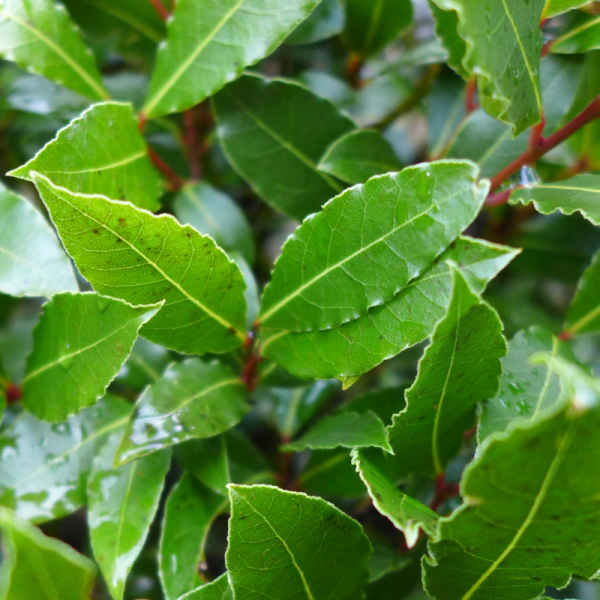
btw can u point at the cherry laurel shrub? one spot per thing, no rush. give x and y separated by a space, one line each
299 299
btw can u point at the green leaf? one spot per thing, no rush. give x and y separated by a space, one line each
330 473
40 567
408 319
406 513
80 345
251 292
446 29
45 466
460 368
557 7
384 403
100 152
331 271
223 459
122 503
358 156
189 513
584 313
525 389
146 363
578 194
318 554
193 399
372 24
32 263
217 590
503 45
131 254
44 40
211 44
326 21
583 36
286 122
347 429
532 506
214 213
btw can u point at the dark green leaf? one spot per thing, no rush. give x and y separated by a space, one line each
584 35
584 314
32 263
44 467
129 253
80 345
330 473
40 567
121 506
358 156
293 127
321 553
446 29
43 39
408 319
210 44
193 399
100 152
331 272
557 7
326 21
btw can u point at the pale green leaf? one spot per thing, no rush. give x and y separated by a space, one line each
531 511
525 389
146 363
460 368
193 399
331 271
372 24
584 313
44 466
39 36
358 156
326 21
408 319
210 44
286 123
100 152
217 590
406 513
347 429
122 503
189 513
319 554
557 7
503 45
128 253
40 567
583 36
214 213
79 346
251 292
32 263
578 194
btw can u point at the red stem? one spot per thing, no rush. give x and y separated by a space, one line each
192 144
175 182
159 7
471 103
443 491
544 145
13 393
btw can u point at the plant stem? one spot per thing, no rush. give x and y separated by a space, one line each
353 68
471 103
159 7
193 145
544 145
175 182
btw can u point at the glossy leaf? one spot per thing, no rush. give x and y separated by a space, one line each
40 567
80 345
100 152
358 156
217 590
213 213
130 254
557 7
189 513
193 399
44 467
578 194
40 36
320 553
211 44
526 390
583 36
406 513
408 319
503 46
530 511
331 272
348 429
372 25
584 313
121 506
446 29
460 368
32 263
223 459
326 21
291 126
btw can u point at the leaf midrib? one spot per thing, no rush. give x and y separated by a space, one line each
120 163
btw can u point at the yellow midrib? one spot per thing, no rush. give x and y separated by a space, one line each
120 163
576 31
548 379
